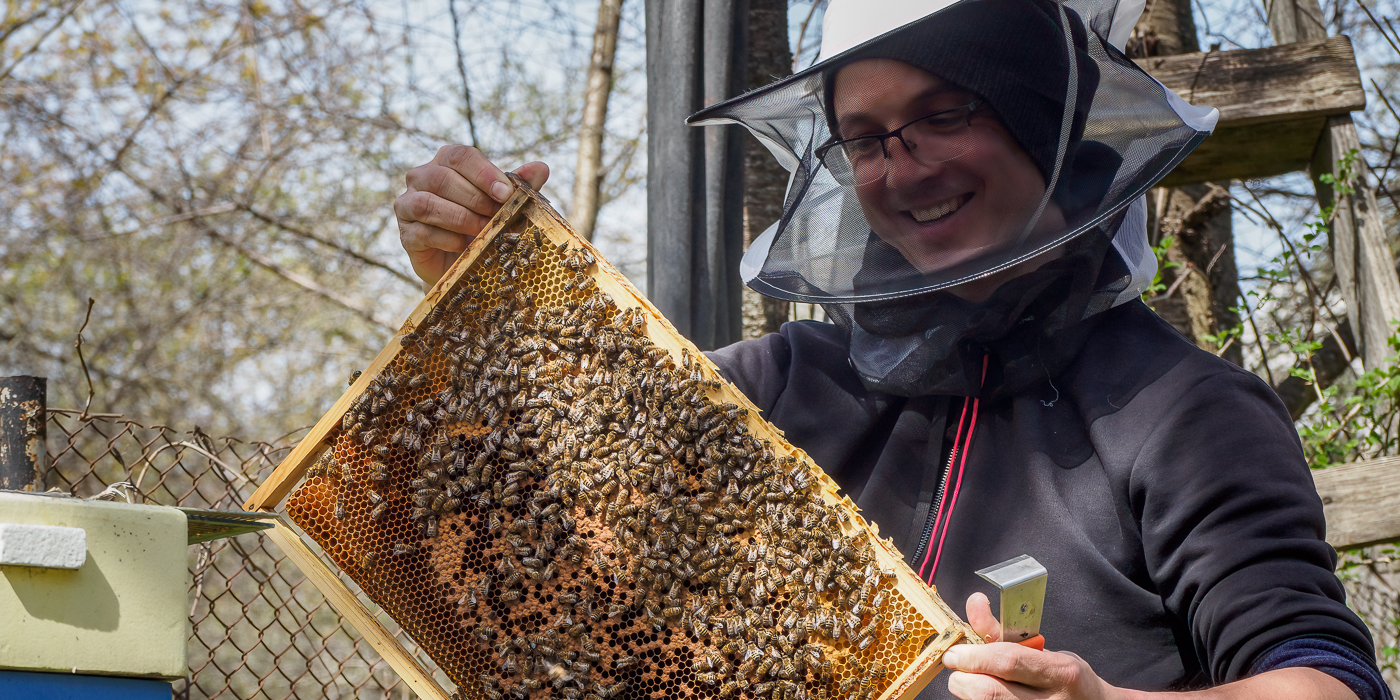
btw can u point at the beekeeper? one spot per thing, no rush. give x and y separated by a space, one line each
966 203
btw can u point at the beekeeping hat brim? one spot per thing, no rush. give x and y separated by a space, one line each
1097 128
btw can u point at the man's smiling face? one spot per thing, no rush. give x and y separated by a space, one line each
941 214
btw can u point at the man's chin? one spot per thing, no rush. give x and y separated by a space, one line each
932 259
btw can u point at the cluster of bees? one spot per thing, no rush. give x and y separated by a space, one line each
552 414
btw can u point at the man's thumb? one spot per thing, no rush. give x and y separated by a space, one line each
979 615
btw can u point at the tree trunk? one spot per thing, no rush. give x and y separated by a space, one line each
588 176
1204 286
765 181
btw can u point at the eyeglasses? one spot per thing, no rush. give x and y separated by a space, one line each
930 139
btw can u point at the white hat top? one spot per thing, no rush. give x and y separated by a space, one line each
850 23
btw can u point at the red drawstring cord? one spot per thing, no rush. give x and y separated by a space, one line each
958 485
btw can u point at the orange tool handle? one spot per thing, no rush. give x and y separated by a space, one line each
1037 642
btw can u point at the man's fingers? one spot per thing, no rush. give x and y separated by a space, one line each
430 209
535 173
1018 664
979 615
418 237
971 686
431 250
451 186
476 168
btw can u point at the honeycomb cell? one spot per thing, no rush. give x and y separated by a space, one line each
553 505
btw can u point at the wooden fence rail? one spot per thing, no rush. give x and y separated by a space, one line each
1361 501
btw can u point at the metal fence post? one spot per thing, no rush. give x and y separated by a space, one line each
23 433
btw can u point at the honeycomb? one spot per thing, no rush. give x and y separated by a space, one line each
554 505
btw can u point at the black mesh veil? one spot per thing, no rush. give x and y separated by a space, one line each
1031 130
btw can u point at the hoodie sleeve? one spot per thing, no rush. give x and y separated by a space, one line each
1233 530
1355 671
758 367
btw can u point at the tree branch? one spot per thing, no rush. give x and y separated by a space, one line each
1329 361
462 70
39 42
309 235
294 277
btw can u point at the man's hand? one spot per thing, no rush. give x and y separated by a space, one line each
448 202
1005 671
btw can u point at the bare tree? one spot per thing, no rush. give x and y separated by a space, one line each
1202 283
220 182
765 180
588 177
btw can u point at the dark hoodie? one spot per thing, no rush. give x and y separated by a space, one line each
1164 488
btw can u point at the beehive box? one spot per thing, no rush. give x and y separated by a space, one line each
556 495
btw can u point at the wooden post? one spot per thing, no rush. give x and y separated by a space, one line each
1364 267
23 433
1296 20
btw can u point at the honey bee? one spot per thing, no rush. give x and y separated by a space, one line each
439 502
339 508
624 662
403 549
378 471
368 436
377 513
369 560
766 665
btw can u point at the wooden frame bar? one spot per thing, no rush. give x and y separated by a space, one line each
350 608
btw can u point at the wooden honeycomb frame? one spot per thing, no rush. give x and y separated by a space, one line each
912 663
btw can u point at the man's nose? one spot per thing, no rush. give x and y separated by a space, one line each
903 169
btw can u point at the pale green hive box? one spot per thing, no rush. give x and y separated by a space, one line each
123 612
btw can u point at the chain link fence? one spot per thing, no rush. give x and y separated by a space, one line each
1372 579
259 629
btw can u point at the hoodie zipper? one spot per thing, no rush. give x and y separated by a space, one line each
937 504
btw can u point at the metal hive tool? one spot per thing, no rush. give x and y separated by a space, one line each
555 495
